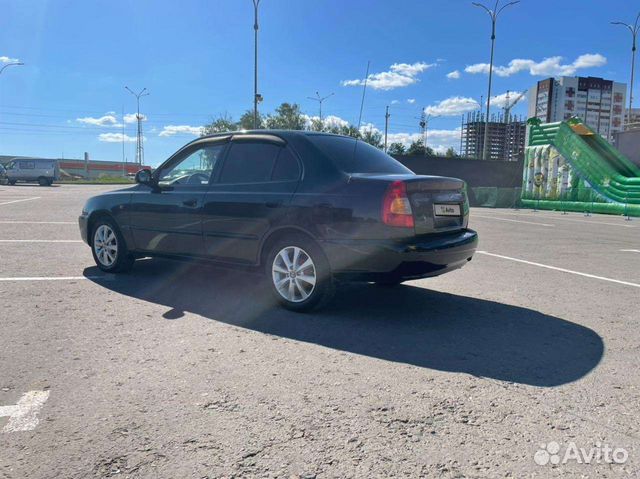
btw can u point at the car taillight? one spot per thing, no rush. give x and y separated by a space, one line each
396 208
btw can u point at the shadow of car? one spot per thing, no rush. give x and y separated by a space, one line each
406 324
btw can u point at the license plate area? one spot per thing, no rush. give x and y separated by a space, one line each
446 210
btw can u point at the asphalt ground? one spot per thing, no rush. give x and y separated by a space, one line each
187 370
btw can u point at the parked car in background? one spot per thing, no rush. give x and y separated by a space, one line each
310 209
39 170
3 175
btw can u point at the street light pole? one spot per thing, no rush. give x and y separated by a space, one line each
634 33
320 99
139 140
493 14
256 3
12 64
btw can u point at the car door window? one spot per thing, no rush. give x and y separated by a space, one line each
249 163
286 167
194 169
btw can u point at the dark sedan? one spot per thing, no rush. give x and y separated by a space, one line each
311 209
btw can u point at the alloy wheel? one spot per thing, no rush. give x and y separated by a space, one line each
105 245
294 274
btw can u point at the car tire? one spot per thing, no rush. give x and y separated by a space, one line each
108 247
42 181
12 182
299 274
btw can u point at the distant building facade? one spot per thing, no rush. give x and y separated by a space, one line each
506 137
598 102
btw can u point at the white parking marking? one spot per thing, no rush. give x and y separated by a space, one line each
563 270
38 222
24 415
52 278
512 221
630 250
39 241
563 218
18 201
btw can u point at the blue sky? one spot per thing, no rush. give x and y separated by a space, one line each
196 60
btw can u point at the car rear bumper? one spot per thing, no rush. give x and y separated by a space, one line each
421 257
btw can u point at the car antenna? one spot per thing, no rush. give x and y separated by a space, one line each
364 91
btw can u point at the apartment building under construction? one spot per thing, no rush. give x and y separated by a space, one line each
506 137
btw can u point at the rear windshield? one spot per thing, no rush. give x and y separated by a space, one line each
360 158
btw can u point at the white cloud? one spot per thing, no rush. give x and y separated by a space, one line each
330 121
501 100
131 118
453 106
171 130
116 138
393 102
5 59
454 75
551 66
399 75
106 120
411 101
439 140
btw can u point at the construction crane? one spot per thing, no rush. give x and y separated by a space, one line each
508 105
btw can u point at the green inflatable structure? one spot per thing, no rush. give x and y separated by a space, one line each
569 167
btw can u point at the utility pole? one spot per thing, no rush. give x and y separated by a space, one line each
256 97
493 14
386 127
139 139
124 170
634 33
423 125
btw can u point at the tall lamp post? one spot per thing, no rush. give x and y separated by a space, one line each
493 14
320 99
256 97
139 139
634 33
12 64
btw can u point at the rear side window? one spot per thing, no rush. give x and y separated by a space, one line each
350 157
249 163
27 165
286 167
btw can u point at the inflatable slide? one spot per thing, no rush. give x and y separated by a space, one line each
569 167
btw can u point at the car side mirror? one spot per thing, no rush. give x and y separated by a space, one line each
144 177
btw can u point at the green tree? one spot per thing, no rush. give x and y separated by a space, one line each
316 125
417 149
286 117
220 124
396 149
373 137
246 121
451 153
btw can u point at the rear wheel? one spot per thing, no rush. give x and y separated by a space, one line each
299 274
12 182
109 248
42 181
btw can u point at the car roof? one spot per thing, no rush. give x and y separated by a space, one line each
284 134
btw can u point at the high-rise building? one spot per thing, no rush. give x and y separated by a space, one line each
506 137
599 103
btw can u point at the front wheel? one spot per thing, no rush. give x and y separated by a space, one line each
12 182
109 248
299 274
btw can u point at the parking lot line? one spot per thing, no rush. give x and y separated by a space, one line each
38 241
563 218
630 250
18 201
563 270
24 415
52 278
513 221
38 222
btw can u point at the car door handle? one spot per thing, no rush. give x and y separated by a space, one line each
192 202
273 204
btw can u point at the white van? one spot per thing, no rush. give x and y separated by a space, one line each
43 171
